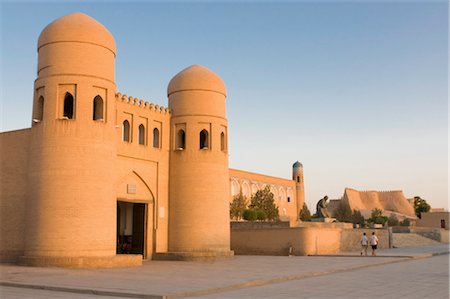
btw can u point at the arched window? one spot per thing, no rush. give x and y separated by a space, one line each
126 131
40 109
68 106
298 179
141 133
204 139
181 139
222 141
156 138
98 108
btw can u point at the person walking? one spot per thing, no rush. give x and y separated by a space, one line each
364 244
373 243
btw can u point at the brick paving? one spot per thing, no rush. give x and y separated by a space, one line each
244 277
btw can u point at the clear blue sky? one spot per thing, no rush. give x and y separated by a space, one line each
358 92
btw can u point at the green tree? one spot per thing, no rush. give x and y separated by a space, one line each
305 214
393 220
343 212
377 217
420 206
263 200
357 218
237 206
405 222
250 215
261 215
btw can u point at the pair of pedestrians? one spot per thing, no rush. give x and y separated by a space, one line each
365 243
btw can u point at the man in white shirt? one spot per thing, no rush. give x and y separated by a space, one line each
364 244
373 243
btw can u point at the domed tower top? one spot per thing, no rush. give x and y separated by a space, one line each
196 90
196 77
297 165
76 44
77 27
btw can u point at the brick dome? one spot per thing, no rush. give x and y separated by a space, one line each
77 27
196 77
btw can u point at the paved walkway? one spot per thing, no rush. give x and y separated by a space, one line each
245 277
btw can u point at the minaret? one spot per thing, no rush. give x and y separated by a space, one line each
71 208
297 176
199 220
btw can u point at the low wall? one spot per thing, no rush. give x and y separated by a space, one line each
258 225
303 240
326 225
437 234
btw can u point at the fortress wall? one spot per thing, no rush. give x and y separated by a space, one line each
14 153
384 200
282 189
145 166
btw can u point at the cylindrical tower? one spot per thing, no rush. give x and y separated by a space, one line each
199 179
71 209
297 176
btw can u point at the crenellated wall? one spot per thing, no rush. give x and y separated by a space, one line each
143 164
393 201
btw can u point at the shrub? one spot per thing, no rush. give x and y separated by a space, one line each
250 215
377 217
392 220
261 215
343 212
357 218
405 222
305 214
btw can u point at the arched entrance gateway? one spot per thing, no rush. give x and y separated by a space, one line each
135 214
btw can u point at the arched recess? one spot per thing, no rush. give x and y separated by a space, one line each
222 142
126 131
246 189
133 191
69 106
235 188
39 115
181 139
155 138
204 139
141 134
98 108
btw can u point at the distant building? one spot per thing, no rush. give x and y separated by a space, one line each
436 219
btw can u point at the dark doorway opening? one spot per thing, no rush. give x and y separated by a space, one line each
130 228
442 223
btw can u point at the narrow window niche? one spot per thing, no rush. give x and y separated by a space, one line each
181 140
68 112
97 113
126 131
141 134
155 138
222 142
204 139
39 112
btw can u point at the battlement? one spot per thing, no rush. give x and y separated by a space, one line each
141 103
371 191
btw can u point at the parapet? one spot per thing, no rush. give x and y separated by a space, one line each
142 104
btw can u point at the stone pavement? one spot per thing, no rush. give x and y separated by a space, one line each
398 272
